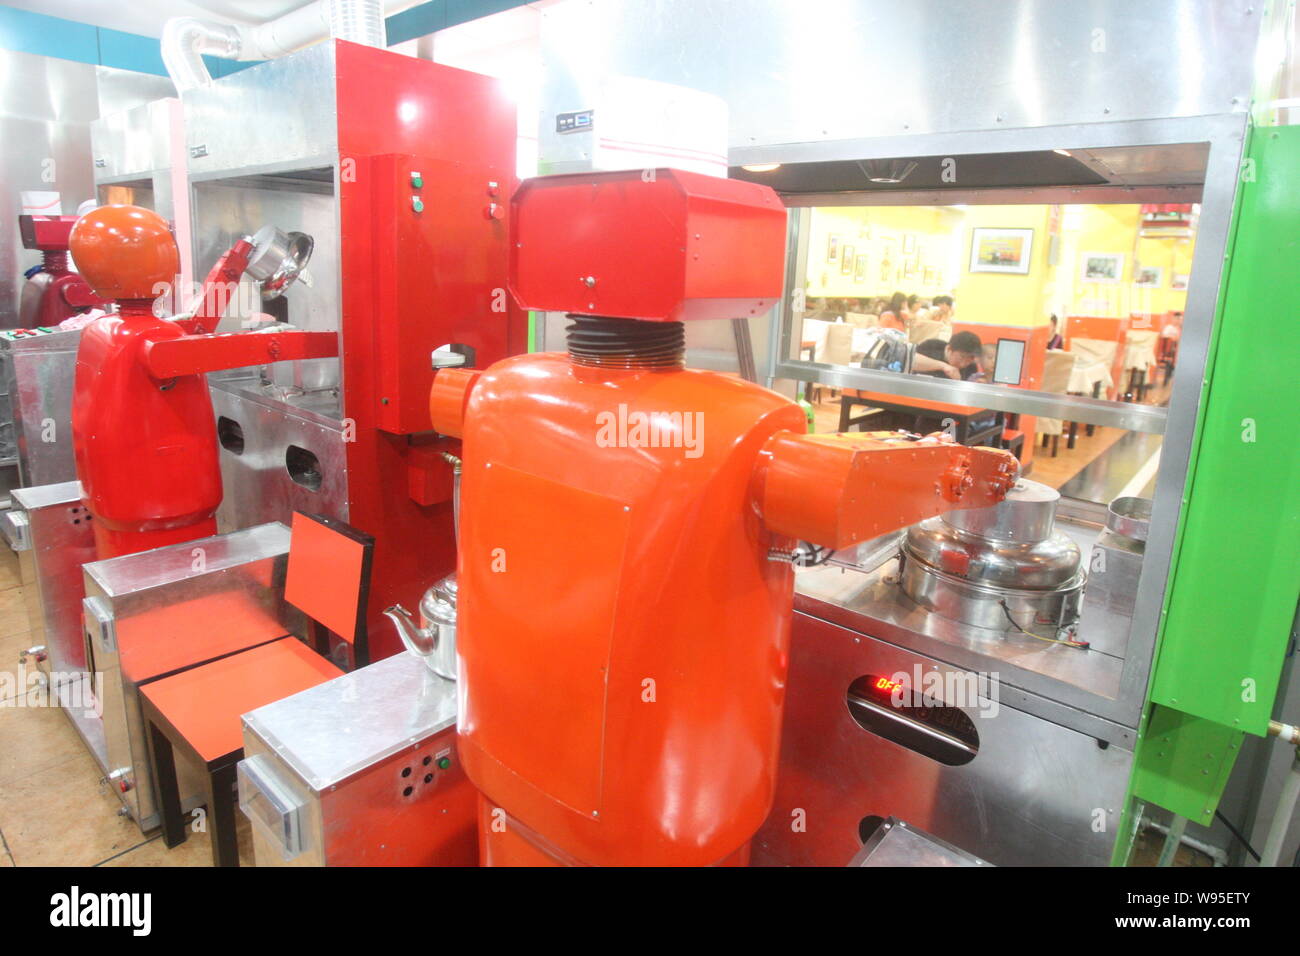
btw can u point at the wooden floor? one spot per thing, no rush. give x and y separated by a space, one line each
1051 471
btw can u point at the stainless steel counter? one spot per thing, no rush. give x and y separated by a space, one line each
1046 678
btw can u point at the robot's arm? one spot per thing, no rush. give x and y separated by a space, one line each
218 289
195 354
839 490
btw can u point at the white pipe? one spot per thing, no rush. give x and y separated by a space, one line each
1215 853
291 32
186 39
1286 804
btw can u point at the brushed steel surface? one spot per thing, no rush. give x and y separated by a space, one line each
226 210
1030 796
1091 682
38 371
134 143
333 731
62 539
281 112
1093 411
46 106
173 608
898 843
1027 565
808 73
1026 514
1114 570
1130 517
355 752
258 485
1039 611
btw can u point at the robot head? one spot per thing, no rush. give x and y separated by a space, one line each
125 252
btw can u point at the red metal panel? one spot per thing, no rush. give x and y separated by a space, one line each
413 280
439 262
661 245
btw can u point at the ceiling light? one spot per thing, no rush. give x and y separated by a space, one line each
761 167
887 170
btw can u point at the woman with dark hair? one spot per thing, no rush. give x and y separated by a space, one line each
1055 342
895 315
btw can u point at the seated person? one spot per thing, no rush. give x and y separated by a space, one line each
919 309
895 314
1055 342
957 358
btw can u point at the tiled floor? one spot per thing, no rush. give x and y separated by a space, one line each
55 810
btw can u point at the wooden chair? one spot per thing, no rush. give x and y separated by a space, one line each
1140 361
838 349
198 710
1057 367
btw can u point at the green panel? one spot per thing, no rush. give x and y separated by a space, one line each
1236 574
1182 763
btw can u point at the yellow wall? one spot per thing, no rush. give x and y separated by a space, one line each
1114 229
998 298
943 235
873 231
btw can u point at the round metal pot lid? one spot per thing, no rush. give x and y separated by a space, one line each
1029 565
1027 514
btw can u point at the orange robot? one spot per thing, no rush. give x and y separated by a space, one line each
143 430
628 530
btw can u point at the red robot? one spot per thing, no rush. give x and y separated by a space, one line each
144 434
52 291
628 529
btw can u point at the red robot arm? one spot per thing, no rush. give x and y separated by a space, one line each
218 287
839 490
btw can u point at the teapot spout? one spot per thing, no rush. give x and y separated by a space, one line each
418 640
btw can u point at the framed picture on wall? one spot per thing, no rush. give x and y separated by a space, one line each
1001 250
1102 266
1150 277
846 261
860 269
1179 281
833 249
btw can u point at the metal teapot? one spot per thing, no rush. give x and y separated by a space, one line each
435 638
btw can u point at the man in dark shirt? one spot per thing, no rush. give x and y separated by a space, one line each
957 358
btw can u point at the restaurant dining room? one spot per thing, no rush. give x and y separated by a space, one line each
1072 299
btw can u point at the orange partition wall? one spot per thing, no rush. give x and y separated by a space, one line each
1108 329
1031 376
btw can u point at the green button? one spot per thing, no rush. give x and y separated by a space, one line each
444 763
417 204
417 180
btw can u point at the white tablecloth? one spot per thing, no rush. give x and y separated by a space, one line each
1140 354
1086 373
